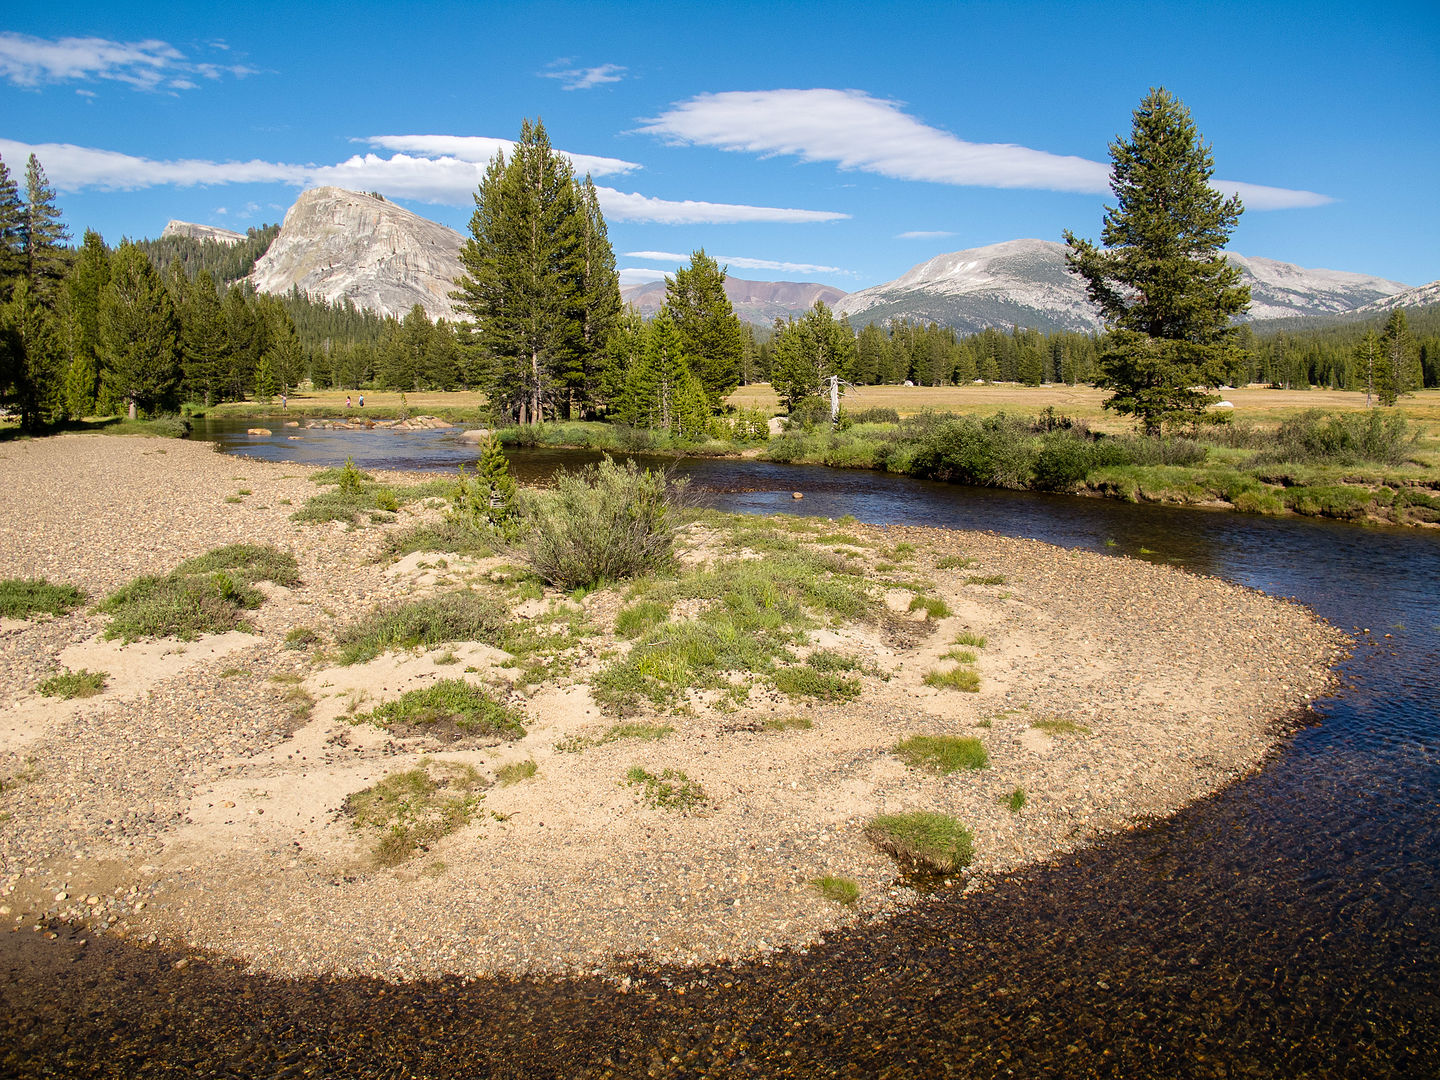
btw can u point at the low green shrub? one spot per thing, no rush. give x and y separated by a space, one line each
416 807
24 598
607 522
461 615
929 842
933 606
73 684
203 595
805 681
1382 436
450 707
942 753
669 789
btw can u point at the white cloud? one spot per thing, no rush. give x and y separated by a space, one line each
640 275
586 78
923 234
857 131
447 181
619 206
742 262
144 65
481 149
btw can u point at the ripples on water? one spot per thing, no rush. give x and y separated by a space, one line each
1288 926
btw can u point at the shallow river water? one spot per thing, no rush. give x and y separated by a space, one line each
1287 926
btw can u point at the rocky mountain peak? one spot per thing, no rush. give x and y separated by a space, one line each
201 232
337 244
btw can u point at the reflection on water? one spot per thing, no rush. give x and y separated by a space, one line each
1288 926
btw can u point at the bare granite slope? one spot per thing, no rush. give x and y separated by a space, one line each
338 244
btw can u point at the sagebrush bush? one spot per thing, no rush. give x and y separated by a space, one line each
1317 438
461 615
604 523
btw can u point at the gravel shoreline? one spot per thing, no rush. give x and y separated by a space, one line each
193 805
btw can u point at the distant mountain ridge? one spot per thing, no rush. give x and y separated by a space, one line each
754 301
200 232
1025 283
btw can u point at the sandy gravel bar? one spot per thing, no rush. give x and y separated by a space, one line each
194 801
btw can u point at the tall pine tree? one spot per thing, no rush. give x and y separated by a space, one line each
525 278
42 234
709 328
1161 280
12 218
140 334
1400 359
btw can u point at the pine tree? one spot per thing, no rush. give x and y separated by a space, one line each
1161 281
205 339
524 276
600 302
12 219
709 328
140 334
30 372
1369 366
808 351
1400 359
78 315
662 392
41 231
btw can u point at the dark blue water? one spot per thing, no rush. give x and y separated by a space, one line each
1287 926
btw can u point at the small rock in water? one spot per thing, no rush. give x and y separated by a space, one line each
797 495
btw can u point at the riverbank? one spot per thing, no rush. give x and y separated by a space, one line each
202 801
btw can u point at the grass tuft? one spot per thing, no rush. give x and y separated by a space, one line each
203 595
455 707
943 753
515 772
1059 726
975 641
416 807
24 598
461 615
73 684
958 678
1015 801
839 890
932 843
667 790
933 606
614 733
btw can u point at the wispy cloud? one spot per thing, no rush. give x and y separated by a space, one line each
743 262
446 181
641 275
481 149
144 65
857 131
584 78
923 234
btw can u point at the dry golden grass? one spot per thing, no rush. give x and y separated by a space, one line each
1083 402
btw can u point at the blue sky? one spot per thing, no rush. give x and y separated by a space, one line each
830 142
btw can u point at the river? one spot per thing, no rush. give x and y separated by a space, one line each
1287 926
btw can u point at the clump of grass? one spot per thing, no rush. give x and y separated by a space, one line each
416 807
203 595
960 656
838 890
943 753
670 789
607 522
954 562
451 535
805 681
233 672
461 615
24 598
73 684
1059 726
301 637
233 499
244 491
614 733
929 842
454 707
445 659
515 772
902 550
933 606
346 478
957 678
985 579
1015 801
789 723
975 641
640 618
